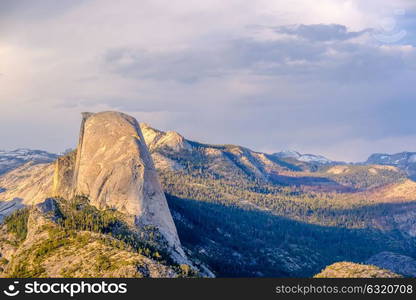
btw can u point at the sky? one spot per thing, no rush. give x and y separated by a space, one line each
330 77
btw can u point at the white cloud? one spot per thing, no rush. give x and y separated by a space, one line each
218 65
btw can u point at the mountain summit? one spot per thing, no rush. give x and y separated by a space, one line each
10 160
405 161
111 168
309 158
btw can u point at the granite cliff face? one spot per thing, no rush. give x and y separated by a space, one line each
114 169
111 166
63 177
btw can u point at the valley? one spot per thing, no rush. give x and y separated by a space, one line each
252 214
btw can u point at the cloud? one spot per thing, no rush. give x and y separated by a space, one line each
320 32
233 71
311 51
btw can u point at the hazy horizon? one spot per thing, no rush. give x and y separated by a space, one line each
207 142
328 77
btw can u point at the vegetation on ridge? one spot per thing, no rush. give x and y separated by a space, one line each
75 230
79 215
243 227
352 270
17 223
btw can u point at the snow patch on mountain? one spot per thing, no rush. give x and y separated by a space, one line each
309 158
10 160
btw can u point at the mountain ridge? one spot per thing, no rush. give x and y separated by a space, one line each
110 171
157 139
10 160
406 161
311 158
282 211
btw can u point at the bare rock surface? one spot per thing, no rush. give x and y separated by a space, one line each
114 169
63 177
111 166
170 140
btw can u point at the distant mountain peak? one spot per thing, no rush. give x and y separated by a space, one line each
396 158
156 139
10 160
310 158
289 154
403 160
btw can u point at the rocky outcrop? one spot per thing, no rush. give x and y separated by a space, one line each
397 263
353 270
113 169
50 251
158 139
63 178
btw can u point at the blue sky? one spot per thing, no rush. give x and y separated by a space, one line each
331 77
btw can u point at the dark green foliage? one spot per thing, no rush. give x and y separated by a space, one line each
17 223
197 162
79 215
245 227
103 263
76 222
295 202
56 240
239 242
22 270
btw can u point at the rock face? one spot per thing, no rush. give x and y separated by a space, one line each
156 139
111 166
114 169
400 264
63 178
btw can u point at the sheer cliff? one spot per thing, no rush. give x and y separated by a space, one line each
111 168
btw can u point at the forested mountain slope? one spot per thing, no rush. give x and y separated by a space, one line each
246 213
237 212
